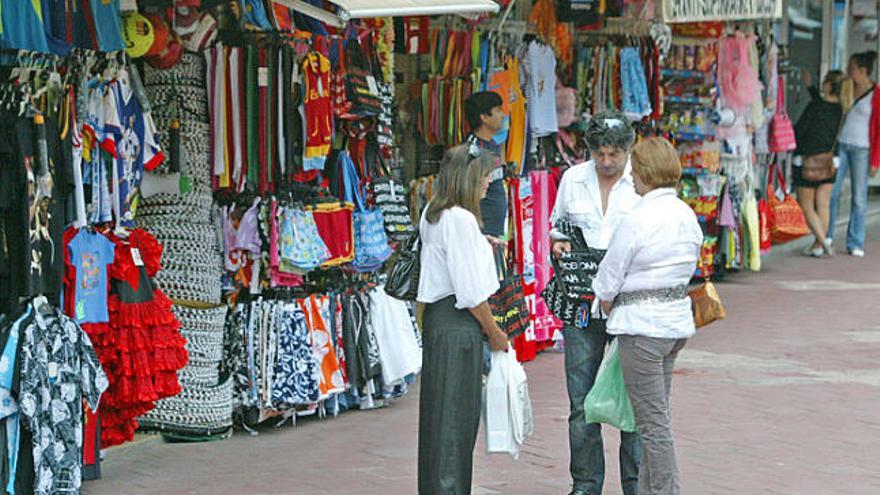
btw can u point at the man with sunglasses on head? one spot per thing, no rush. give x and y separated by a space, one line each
595 196
484 115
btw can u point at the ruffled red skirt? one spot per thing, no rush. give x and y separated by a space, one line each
140 348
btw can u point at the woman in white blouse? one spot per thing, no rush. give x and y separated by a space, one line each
643 282
457 277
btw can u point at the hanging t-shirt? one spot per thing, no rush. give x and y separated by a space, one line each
318 110
21 25
58 22
500 82
30 226
108 25
90 253
137 147
516 140
540 67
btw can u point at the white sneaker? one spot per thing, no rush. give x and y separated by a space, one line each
858 253
829 247
813 251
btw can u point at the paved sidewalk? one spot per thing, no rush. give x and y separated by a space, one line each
783 397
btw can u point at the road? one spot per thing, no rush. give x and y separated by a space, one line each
781 398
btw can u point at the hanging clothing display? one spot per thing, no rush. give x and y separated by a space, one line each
539 66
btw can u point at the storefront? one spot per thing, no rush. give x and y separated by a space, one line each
201 201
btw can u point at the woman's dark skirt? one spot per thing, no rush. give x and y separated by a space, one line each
451 398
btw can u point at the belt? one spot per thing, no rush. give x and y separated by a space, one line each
667 294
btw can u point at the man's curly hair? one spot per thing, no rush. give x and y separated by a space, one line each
610 128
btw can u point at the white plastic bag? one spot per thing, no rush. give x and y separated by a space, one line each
520 402
507 409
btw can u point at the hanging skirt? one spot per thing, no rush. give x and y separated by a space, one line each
451 397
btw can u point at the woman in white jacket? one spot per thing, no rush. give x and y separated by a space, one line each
456 279
643 282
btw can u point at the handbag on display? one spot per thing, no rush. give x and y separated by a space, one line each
361 84
787 220
403 275
764 225
569 293
706 304
781 131
390 196
370 242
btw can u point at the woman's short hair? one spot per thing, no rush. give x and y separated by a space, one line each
656 163
460 181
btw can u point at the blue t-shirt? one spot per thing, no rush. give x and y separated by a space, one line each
108 24
90 253
21 25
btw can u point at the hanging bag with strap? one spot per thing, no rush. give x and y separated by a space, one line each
786 220
781 131
361 86
370 242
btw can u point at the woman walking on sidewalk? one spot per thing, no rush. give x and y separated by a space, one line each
859 145
643 282
456 279
816 134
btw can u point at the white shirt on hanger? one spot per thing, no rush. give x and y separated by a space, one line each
456 259
540 68
579 200
655 247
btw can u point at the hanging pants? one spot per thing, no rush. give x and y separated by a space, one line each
451 397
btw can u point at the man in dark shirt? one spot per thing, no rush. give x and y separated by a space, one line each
484 115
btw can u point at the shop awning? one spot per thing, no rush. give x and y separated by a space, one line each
359 9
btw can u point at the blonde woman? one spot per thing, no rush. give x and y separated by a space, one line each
457 277
642 282
816 133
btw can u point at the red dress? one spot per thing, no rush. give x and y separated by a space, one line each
140 348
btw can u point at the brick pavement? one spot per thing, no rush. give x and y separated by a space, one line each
781 398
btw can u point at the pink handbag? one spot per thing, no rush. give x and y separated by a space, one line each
781 131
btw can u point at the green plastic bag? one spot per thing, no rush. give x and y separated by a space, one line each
607 402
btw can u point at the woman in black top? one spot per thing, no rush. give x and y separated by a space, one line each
816 132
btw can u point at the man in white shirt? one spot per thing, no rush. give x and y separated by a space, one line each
595 196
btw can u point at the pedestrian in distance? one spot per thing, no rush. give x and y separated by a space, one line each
595 196
816 135
859 150
456 279
642 282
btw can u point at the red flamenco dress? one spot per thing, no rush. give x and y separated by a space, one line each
141 348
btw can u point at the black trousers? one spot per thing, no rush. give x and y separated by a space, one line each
451 399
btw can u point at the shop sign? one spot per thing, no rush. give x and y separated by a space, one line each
720 10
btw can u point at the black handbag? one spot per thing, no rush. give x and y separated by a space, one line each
569 293
508 304
403 275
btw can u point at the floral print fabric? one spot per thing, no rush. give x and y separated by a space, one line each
301 245
59 368
296 376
